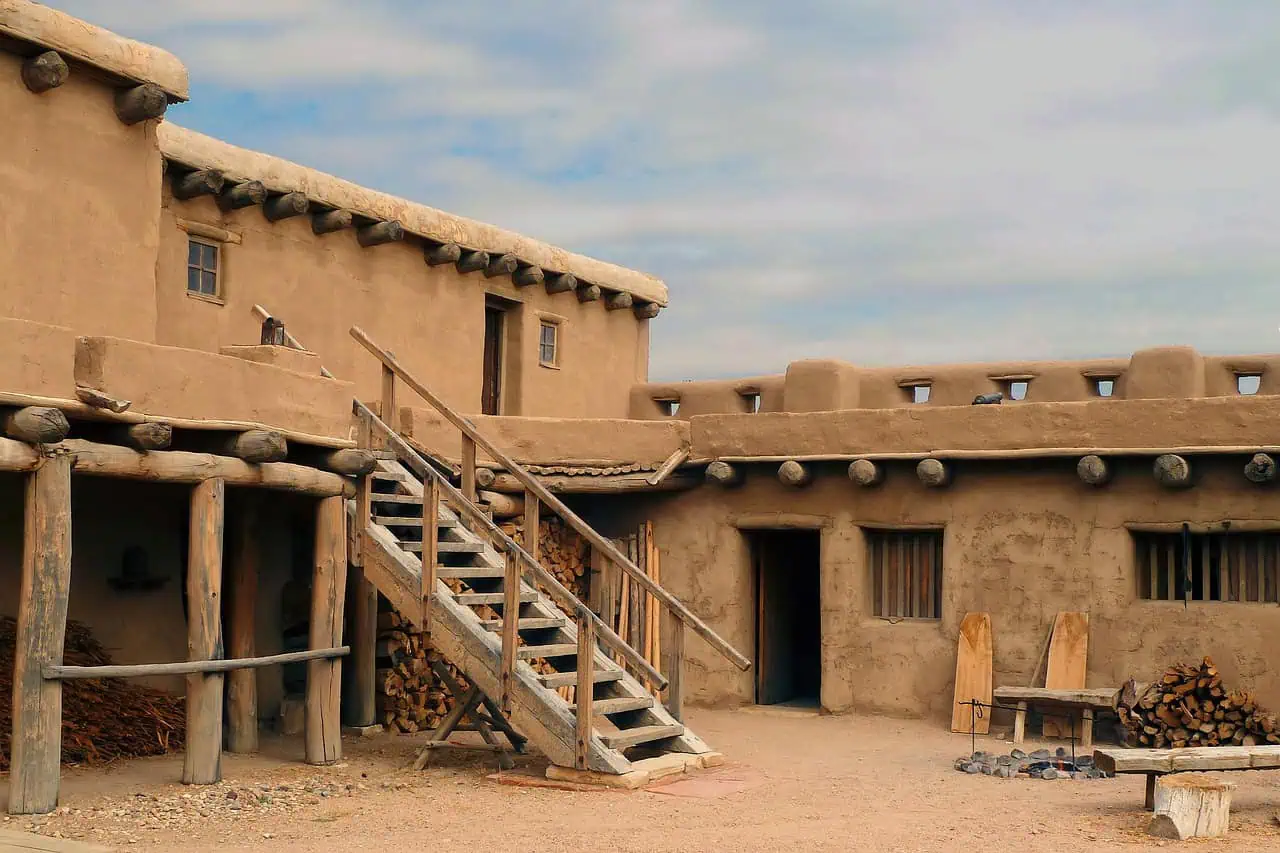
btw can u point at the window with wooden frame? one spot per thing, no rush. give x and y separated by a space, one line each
203 257
549 343
906 573
1208 566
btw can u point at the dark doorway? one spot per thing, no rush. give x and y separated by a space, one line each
788 615
491 391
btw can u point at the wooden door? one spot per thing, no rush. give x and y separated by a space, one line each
491 390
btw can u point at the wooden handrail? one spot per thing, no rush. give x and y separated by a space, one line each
187 667
585 530
504 543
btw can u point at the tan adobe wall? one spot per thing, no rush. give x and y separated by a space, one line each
36 359
431 317
1021 543
706 397
550 440
829 385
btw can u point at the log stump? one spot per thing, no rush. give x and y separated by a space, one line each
1190 806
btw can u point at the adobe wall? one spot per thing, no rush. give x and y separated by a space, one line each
37 359
1022 541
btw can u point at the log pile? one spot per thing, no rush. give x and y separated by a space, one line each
1190 706
561 550
102 719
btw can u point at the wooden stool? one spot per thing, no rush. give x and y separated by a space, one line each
1190 807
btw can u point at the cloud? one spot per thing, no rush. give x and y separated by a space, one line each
864 179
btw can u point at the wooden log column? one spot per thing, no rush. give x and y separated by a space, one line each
203 763
1172 471
1260 469
1093 470
36 751
242 590
324 677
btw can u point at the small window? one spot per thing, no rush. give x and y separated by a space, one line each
1248 383
1018 389
1221 567
202 267
668 407
906 573
1104 387
549 344
919 393
751 401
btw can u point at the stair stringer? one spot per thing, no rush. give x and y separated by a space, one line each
537 712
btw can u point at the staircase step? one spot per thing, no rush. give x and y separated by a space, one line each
471 598
555 650
531 623
470 571
395 499
391 476
617 706
447 547
569 679
398 520
644 734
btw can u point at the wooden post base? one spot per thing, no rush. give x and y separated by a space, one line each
1189 806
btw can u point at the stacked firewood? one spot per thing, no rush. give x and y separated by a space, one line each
411 697
1190 706
561 551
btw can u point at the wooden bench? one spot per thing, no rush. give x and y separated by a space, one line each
1085 701
1160 762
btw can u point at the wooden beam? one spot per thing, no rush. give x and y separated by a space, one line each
44 71
1093 470
668 466
349 461
502 506
1261 468
329 221
176 466
485 477
618 301
646 310
933 472
603 485
501 265
140 103
469 468
324 677
675 667
560 282
430 556
509 637
528 276
723 474
189 185
35 424
36 746
588 292
359 692
16 456
583 693
203 762
439 254
100 400
189 667
257 446
1172 471
472 261
144 436
864 472
285 206
795 474
246 194
242 590
380 233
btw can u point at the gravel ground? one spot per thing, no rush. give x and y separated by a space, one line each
792 781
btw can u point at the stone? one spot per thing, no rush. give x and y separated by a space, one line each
1084 761
973 767
960 764
988 769
1005 771
1060 752
1017 753
1039 755
1048 773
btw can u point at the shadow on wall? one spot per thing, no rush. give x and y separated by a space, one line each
820 385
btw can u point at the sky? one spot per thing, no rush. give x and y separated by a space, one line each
881 181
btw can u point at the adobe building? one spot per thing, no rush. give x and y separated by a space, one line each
169 444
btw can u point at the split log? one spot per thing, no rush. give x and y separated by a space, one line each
503 506
1260 469
329 221
561 282
45 71
36 424
933 472
439 254
472 261
528 276
1190 807
1172 470
203 762
588 292
258 446
793 473
140 103
379 233
485 477
864 472
99 400
618 301
647 310
246 194
1190 706
194 184
144 436
501 265
285 206
349 461
1093 470
723 474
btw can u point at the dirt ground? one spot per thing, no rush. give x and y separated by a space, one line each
792 781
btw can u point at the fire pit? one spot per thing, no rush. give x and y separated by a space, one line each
1040 764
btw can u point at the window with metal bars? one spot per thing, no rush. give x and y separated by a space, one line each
906 573
1208 566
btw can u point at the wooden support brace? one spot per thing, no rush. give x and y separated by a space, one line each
585 687
349 461
44 71
143 436
439 254
469 468
329 221
35 424
242 590
588 292
1020 723
36 750
675 669
472 261
527 276
618 301
501 265
430 547
286 206
324 677
140 103
258 446
246 194
560 282
191 185
510 628
203 762
380 233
